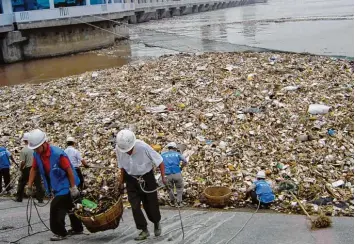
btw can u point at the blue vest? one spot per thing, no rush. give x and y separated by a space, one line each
171 161
58 177
264 191
4 159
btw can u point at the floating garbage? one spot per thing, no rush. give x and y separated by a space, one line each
191 99
290 88
338 183
331 132
318 109
101 192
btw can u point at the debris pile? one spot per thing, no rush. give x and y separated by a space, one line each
101 189
236 113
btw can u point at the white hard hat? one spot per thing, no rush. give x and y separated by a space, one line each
125 140
70 139
36 138
261 175
25 136
171 144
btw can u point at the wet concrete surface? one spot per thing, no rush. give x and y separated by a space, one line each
201 227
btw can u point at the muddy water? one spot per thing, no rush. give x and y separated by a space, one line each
324 27
41 70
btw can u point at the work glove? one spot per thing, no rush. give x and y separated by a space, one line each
74 192
29 191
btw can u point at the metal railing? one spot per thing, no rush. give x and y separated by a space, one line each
87 10
169 3
70 12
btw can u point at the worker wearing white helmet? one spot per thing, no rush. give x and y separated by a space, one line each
26 157
172 159
76 159
60 178
260 191
136 159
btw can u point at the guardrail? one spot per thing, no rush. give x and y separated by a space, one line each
70 12
87 10
164 3
6 19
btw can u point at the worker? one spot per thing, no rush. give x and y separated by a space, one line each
172 159
59 176
261 191
136 159
26 157
5 157
76 159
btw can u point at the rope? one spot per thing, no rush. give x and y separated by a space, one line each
182 226
141 183
11 182
240 230
137 41
11 207
21 227
39 216
248 47
30 203
29 215
160 32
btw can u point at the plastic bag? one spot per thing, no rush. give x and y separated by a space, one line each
318 109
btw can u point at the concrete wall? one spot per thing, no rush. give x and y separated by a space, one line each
35 41
49 42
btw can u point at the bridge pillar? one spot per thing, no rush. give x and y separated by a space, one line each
153 16
195 9
200 8
10 47
186 10
175 11
7 7
51 4
163 13
132 19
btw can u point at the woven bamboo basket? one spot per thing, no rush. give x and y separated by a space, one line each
104 221
217 196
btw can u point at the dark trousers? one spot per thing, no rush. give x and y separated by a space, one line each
81 177
5 173
60 206
254 199
150 200
23 181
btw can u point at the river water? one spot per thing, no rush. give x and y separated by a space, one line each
324 27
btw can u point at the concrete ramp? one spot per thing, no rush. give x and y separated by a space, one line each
201 227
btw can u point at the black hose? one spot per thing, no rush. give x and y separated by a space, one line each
30 203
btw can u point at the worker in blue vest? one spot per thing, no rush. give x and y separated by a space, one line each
5 157
172 159
59 177
261 191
